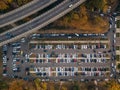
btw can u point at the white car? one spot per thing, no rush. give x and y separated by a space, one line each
115 26
114 35
4 58
14 69
110 26
105 46
69 37
114 41
70 5
4 61
112 65
82 80
77 34
23 40
115 19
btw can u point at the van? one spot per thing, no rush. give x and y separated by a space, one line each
112 65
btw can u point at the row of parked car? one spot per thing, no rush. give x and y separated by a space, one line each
59 71
94 55
94 46
86 46
94 71
5 59
67 73
94 68
38 36
59 46
16 49
93 60
46 55
68 60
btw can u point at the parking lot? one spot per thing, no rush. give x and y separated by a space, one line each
57 59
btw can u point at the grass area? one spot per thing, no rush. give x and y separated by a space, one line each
118 23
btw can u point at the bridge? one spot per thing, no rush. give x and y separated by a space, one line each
40 21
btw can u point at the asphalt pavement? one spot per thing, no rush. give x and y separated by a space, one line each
110 35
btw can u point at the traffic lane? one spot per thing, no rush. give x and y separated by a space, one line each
111 37
38 21
10 61
23 12
25 47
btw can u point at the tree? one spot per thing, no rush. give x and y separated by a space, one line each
51 87
37 83
63 88
21 2
3 5
40 85
3 85
118 66
43 86
113 85
14 85
96 4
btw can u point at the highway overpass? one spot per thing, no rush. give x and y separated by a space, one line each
24 11
40 21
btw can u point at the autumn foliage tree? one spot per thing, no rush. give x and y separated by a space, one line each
113 85
40 85
4 4
21 2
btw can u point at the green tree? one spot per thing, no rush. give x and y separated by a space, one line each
118 66
3 85
96 4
